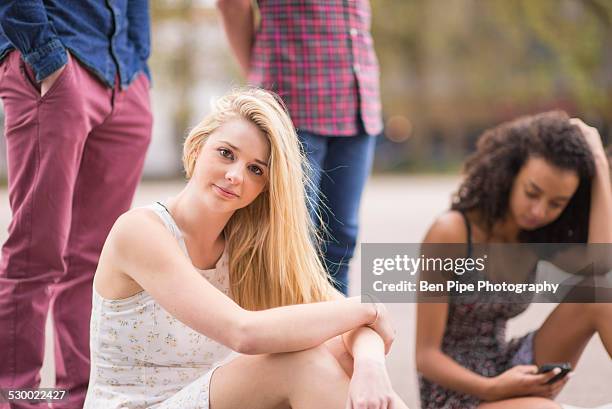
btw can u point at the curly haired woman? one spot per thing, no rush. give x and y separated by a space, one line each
538 179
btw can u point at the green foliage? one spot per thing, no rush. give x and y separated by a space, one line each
456 67
484 54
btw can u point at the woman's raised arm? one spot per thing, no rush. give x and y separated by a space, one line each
600 219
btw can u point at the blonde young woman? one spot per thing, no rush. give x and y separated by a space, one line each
228 265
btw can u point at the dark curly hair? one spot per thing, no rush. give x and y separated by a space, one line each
502 151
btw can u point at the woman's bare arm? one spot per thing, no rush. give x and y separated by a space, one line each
577 257
140 246
431 361
600 220
356 345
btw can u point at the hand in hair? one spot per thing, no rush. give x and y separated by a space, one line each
592 137
600 221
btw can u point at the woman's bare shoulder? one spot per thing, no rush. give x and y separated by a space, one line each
130 230
449 227
139 216
136 225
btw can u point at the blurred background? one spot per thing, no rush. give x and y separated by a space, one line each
449 69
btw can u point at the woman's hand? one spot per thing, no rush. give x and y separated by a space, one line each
592 137
370 387
524 380
383 326
600 223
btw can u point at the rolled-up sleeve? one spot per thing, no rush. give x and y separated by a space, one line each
25 24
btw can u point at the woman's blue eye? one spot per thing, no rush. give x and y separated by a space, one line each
226 153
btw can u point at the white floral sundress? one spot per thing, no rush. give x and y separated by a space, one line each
143 357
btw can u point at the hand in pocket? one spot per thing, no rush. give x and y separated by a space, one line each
47 82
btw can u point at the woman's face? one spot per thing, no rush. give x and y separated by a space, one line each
232 166
540 193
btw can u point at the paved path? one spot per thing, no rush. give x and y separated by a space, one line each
399 209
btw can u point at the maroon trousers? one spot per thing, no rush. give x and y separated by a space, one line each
75 157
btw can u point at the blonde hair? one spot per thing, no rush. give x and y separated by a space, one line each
273 256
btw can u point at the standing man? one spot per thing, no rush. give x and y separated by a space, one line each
318 55
75 88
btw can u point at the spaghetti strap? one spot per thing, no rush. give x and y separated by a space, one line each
468 227
164 214
475 335
164 206
162 211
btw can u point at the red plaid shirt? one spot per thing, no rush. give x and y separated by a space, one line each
318 55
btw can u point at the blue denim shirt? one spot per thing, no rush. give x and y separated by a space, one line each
111 37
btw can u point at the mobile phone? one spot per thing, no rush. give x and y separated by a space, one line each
565 367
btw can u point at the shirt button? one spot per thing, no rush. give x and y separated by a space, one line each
353 32
356 67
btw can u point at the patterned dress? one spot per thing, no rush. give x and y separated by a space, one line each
143 357
475 337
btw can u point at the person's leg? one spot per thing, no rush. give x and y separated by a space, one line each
346 168
45 138
559 341
568 329
110 170
523 403
297 380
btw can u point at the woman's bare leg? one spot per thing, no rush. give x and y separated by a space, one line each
562 338
568 329
523 403
297 380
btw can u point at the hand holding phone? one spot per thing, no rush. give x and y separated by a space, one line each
565 368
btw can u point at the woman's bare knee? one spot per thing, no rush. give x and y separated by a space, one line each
317 378
597 311
253 381
318 361
543 403
279 380
524 403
